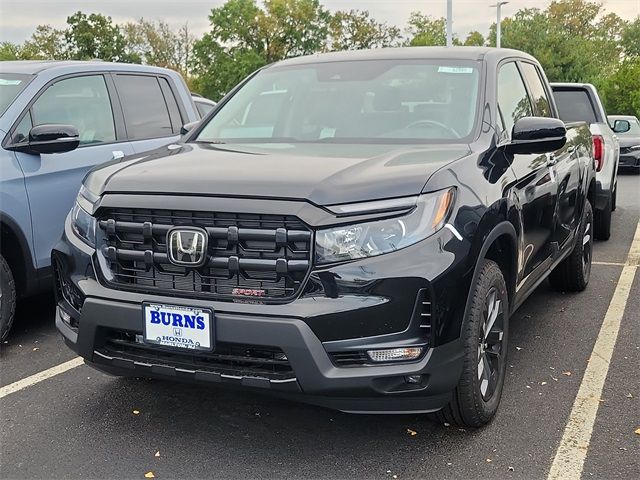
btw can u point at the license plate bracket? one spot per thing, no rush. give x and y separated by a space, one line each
178 327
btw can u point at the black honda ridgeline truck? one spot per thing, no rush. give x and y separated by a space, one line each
352 230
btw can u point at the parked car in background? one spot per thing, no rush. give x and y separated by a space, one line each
580 102
204 105
627 127
47 109
351 229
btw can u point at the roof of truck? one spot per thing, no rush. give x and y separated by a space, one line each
410 53
34 67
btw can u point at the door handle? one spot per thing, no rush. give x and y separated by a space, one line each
117 154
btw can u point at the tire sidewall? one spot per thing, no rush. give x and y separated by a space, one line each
8 299
475 409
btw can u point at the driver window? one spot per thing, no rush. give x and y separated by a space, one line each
513 101
82 102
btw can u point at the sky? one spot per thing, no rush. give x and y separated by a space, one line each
18 18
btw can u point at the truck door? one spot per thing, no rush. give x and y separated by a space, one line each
53 180
535 191
563 164
151 113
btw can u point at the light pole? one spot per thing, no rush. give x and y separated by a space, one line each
498 7
449 23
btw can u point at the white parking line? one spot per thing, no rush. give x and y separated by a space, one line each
40 376
572 451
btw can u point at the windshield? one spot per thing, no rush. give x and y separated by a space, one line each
11 84
378 101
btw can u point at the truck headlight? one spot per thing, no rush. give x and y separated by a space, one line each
350 242
83 224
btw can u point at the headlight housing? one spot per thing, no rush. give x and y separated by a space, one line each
84 225
350 242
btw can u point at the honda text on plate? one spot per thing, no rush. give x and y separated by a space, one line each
352 230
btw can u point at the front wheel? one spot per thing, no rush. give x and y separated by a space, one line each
485 330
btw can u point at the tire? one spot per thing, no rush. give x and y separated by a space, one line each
602 222
572 274
7 298
475 399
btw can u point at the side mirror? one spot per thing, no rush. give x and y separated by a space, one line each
187 127
621 126
537 135
50 138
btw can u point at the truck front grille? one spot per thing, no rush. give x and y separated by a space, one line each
248 256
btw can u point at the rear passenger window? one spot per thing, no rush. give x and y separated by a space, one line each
145 111
541 105
513 101
172 105
79 101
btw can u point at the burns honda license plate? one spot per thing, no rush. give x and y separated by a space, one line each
178 327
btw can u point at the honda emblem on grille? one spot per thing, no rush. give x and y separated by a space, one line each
187 246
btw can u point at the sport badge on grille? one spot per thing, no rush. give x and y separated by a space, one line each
187 246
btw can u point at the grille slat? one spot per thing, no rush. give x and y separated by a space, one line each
266 254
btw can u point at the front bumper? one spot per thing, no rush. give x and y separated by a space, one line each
373 305
630 160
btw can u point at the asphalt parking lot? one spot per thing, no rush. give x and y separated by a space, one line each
84 424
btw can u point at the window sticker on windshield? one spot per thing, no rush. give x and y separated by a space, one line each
455 70
4 81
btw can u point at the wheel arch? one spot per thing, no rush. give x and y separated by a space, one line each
15 250
500 246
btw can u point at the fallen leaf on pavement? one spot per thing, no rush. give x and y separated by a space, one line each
638 431
518 348
35 349
411 432
568 374
489 460
157 454
629 395
136 412
446 424
149 475
543 383
511 469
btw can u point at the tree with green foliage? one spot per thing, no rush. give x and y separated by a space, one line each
621 91
9 51
245 36
155 43
45 43
474 39
571 38
95 36
424 30
355 30
631 38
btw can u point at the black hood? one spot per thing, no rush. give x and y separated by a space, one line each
324 174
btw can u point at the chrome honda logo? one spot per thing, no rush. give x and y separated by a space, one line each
187 246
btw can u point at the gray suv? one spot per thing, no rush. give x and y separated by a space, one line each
57 121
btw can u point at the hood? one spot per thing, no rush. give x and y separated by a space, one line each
628 141
324 174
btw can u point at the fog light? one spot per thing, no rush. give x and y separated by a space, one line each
66 318
394 354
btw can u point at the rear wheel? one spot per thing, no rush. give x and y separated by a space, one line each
475 400
7 298
602 222
572 275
